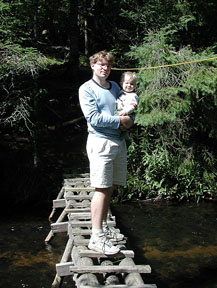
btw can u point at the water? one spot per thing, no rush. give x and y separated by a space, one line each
25 259
178 241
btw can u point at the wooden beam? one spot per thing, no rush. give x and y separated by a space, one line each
78 210
71 196
76 189
94 254
85 242
58 280
121 286
63 269
68 268
59 220
88 224
59 203
59 196
78 215
59 227
110 269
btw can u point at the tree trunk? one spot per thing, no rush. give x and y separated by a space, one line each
35 26
73 36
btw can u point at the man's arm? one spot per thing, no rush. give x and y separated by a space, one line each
91 113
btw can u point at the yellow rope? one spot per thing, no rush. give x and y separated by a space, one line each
167 65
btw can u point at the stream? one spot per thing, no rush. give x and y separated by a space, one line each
178 241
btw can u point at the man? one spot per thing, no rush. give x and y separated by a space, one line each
107 153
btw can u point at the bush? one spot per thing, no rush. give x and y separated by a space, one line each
18 73
173 151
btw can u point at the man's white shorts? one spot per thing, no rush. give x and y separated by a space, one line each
108 161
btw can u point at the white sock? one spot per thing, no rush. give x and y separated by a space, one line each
96 232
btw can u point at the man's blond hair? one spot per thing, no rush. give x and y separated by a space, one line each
102 55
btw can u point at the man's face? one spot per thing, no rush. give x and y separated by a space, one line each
101 68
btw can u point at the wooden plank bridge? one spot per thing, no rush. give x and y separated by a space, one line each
88 268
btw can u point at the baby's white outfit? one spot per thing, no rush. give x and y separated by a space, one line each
127 102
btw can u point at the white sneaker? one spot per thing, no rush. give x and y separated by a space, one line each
112 233
103 245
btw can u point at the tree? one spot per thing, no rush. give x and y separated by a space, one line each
173 151
73 35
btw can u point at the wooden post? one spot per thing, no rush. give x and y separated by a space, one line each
60 219
59 196
58 280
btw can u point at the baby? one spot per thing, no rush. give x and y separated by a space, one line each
128 99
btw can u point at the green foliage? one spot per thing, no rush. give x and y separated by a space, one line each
14 17
18 72
43 24
24 22
185 22
16 60
172 151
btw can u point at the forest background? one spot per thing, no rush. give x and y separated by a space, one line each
45 47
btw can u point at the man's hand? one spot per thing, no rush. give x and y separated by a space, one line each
125 122
122 114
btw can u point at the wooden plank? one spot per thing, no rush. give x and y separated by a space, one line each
67 251
63 269
77 210
83 204
77 231
78 223
58 280
86 241
94 254
69 196
81 182
59 227
66 269
59 196
111 269
85 215
59 203
59 220
78 177
75 180
77 189
78 215
121 286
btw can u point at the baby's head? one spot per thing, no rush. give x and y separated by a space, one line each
128 81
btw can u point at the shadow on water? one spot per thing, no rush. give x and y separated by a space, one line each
179 241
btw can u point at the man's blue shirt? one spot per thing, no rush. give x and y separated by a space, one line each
98 105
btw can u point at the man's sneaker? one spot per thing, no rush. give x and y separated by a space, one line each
112 233
103 245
